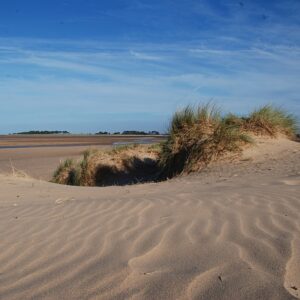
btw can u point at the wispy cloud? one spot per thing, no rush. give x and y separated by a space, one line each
89 77
145 56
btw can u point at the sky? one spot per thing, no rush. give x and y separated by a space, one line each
97 65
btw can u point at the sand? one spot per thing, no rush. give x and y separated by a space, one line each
231 232
39 155
71 140
40 162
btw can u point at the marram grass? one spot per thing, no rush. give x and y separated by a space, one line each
270 120
197 136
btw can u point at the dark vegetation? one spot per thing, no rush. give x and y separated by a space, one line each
131 132
126 132
43 132
134 132
197 136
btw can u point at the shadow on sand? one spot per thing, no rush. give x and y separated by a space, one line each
135 170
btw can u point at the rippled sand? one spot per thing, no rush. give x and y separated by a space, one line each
232 232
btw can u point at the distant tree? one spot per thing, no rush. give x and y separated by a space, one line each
134 132
44 132
153 132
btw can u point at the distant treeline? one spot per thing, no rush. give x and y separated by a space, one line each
43 132
131 132
126 132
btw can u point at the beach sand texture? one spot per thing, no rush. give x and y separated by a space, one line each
231 232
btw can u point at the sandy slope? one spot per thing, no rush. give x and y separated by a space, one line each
232 232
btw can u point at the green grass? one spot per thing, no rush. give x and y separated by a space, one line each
270 120
198 136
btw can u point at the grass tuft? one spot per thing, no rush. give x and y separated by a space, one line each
270 120
197 137
67 173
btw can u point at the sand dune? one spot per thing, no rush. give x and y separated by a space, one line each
232 232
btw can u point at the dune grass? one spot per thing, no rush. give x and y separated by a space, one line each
200 135
197 136
271 120
67 173
122 165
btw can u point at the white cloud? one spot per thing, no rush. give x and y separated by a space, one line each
114 80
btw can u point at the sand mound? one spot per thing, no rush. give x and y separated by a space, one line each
229 233
119 166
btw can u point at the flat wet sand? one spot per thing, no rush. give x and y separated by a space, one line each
40 140
39 155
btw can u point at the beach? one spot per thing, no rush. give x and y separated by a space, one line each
229 232
150 150
39 155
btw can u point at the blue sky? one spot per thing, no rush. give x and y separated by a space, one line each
90 65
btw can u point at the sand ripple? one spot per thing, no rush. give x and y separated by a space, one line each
165 241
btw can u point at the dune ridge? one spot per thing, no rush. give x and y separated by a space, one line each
231 232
